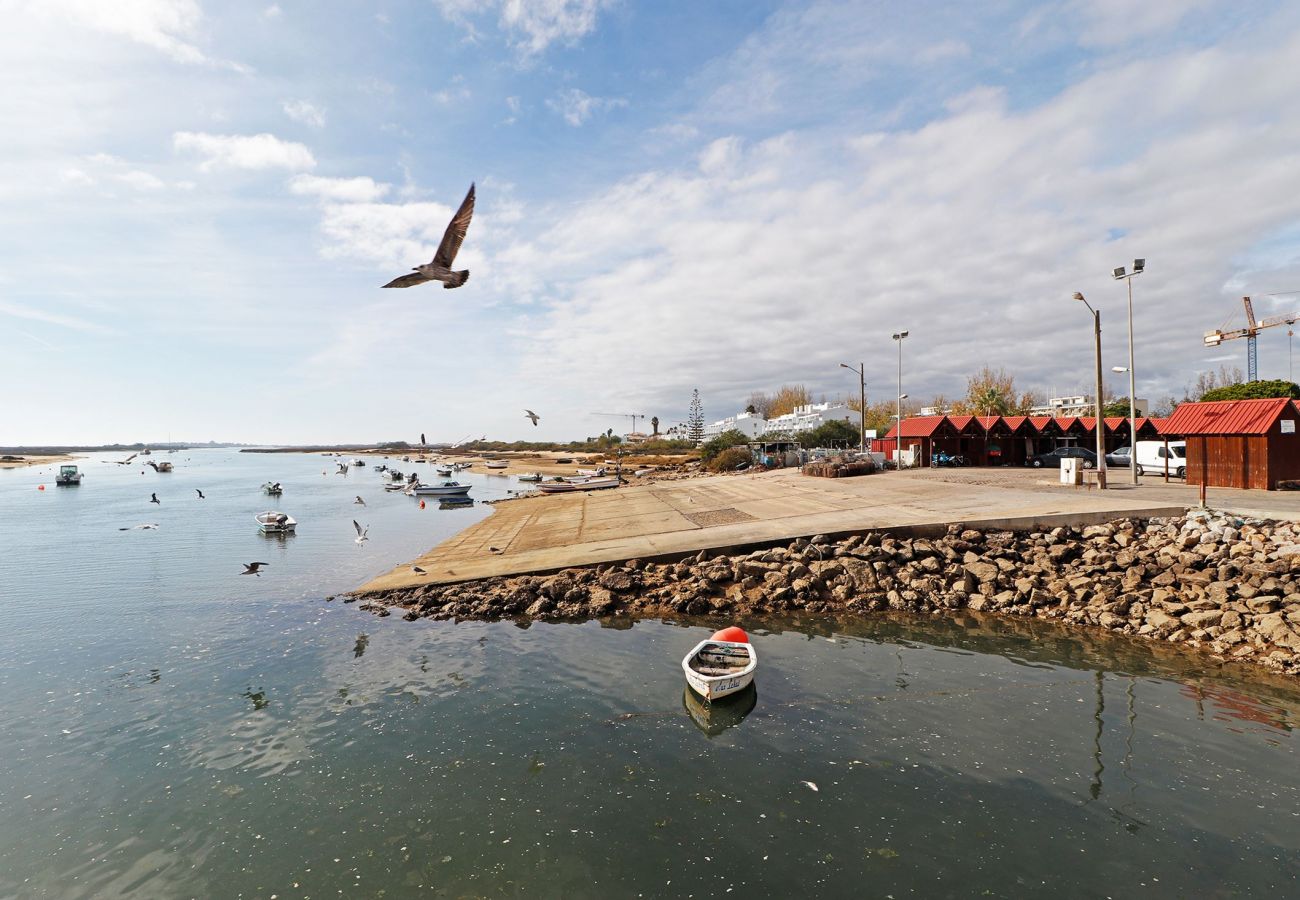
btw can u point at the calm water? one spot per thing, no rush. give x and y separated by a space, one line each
172 729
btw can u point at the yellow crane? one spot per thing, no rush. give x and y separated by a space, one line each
1250 333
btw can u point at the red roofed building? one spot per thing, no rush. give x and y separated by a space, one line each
919 433
1239 443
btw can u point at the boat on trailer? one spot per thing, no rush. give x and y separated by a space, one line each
718 668
569 485
274 522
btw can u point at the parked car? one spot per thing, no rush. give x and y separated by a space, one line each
1121 457
1152 457
1088 459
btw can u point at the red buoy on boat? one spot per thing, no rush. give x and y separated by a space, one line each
733 634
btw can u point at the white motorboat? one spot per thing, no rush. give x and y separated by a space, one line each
589 473
398 486
577 484
497 463
536 476
272 522
716 668
68 475
444 471
442 489
461 465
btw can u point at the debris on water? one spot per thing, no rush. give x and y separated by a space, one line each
811 786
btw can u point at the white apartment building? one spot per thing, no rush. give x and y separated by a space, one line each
811 416
748 424
1082 405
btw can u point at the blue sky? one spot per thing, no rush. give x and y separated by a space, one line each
200 200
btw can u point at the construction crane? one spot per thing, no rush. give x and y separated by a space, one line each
1250 333
632 416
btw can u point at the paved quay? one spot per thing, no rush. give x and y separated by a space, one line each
542 534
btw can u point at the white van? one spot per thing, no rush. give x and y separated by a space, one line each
1152 458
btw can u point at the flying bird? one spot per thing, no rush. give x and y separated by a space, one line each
153 498
361 532
251 568
125 462
529 414
200 493
152 464
440 268
358 501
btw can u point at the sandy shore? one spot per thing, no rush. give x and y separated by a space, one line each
37 460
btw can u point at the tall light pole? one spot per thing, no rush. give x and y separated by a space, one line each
862 400
1101 444
898 429
1139 266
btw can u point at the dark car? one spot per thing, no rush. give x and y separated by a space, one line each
1088 459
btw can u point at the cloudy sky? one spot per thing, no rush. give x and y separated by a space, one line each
199 201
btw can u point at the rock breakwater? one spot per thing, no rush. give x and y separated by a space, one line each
1225 585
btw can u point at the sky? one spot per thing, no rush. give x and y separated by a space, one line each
199 202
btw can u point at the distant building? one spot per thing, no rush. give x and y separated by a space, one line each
1082 405
813 415
635 437
936 411
748 424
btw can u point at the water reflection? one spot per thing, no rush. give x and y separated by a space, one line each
716 717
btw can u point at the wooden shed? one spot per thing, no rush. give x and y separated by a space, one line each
1239 443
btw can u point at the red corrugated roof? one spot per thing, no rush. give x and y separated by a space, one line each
960 422
1014 422
988 422
1042 422
919 426
1113 422
1228 416
1161 426
1066 422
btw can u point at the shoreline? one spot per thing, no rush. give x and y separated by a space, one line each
38 460
1212 584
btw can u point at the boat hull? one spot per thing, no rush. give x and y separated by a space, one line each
275 523
715 687
439 491
591 484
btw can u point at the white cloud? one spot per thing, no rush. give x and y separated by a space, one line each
455 92
76 323
1113 22
76 177
142 181
943 51
577 106
243 151
168 26
272 12
530 25
305 113
339 190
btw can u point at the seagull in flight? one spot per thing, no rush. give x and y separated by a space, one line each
358 501
153 498
529 414
251 568
361 532
440 268
123 462
152 464
200 493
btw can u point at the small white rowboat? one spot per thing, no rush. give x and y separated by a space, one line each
716 669
272 522
443 489
497 463
577 484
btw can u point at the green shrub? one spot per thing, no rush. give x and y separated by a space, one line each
730 459
728 439
1254 390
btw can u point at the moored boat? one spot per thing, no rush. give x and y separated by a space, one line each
442 489
273 522
536 476
272 488
68 475
444 471
497 463
163 466
717 668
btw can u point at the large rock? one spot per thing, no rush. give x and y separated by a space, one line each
983 572
1202 618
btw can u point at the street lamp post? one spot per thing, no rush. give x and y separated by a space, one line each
898 429
862 399
1139 266
1101 444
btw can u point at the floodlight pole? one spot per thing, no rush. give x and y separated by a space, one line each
1101 443
1139 266
898 429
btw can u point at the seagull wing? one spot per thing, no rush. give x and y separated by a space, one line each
408 280
455 233
357 526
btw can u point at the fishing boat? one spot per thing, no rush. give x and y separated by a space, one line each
358 462
68 475
577 484
497 463
163 466
719 667
589 473
394 475
536 476
396 486
444 471
442 489
272 522
461 465
455 502
272 488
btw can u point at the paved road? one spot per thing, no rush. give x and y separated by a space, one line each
547 533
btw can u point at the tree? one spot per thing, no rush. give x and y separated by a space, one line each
760 403
1117 407
1208 381
654 425
988 393
835 433
695 419
786 398
751 409
1254 390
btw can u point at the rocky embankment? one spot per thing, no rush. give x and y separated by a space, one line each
1219 583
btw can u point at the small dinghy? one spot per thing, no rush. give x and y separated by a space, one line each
444 471
497 463
272 522
273 488
722 665
569 485
536 476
